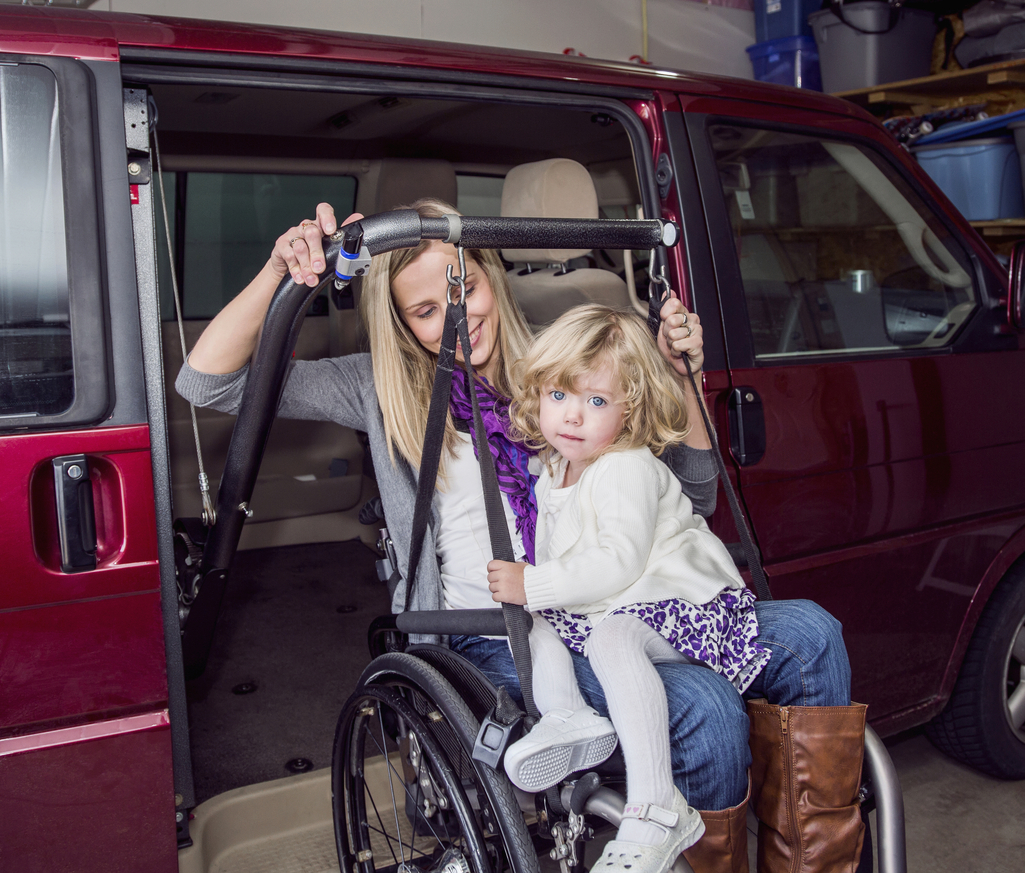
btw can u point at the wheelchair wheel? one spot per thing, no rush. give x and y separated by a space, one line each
407 795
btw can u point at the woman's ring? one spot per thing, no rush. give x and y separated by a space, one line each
690 331
293 241
307 223
685 317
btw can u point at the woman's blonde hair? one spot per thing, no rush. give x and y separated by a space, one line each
403 369
589 338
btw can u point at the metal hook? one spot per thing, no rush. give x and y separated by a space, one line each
457 281
659 279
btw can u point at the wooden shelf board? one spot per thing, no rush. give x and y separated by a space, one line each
1007 227
941 86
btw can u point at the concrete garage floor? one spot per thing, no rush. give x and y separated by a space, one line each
957 820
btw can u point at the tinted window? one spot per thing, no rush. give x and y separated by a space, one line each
836 250
479 195
231 221
36 375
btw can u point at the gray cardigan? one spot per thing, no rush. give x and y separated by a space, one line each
342 390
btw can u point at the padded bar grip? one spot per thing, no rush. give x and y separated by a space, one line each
565 233
477 622
387 231
404 228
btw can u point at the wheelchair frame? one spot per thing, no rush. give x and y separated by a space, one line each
444 698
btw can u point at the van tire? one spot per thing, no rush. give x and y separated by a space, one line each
975 726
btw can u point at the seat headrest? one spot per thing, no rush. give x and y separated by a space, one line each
556 188
404 181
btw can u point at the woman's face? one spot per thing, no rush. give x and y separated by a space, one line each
420 293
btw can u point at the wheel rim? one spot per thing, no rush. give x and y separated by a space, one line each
385 780
1014 703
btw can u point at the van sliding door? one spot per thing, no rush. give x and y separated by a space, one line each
85 748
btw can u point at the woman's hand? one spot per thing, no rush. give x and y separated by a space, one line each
229 339
505 579
300 251
680 335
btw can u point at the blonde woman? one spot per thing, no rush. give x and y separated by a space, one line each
386 394
625 573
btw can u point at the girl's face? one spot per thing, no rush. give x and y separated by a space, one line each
420 293
582 422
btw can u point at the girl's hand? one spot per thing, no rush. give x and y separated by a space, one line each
679 335
300 251
505 579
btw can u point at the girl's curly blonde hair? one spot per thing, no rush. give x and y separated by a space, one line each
589 338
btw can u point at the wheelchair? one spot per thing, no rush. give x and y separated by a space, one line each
409 796
409 793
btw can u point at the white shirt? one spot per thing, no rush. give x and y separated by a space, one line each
463 542
550 509
628 535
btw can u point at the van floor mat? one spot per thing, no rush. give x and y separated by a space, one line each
290 643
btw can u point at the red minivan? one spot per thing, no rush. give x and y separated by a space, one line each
864 365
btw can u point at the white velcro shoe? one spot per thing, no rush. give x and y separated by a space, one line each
682 825
561 743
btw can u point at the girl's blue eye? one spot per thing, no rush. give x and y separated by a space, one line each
558 395
427 313
598 402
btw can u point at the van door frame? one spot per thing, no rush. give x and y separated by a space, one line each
142 67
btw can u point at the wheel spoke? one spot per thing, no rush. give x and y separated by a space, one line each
391 785
377 814
1018 649
394 773
1016 706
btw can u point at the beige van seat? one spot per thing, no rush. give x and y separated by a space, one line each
540 282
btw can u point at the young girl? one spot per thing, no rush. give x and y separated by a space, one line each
625 573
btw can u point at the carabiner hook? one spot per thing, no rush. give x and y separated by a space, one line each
457 281
660 279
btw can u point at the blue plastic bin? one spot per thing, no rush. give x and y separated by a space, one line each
982 177
793 60
775 19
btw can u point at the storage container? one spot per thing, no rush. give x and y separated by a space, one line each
793 60
1018 129
775 19
982 177
898 47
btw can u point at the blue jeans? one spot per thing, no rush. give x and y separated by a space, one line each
708 728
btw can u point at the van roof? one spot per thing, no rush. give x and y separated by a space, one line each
106 36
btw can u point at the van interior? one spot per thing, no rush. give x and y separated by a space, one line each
239 163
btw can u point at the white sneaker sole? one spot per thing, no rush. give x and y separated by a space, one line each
549 765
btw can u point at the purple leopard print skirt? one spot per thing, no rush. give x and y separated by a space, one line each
721 634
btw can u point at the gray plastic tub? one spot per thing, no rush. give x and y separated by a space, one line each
850 60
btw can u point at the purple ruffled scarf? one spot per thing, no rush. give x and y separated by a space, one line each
511 458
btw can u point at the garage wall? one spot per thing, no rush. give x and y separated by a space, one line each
681 33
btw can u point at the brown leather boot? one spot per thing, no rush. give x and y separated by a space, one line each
723 847
805 775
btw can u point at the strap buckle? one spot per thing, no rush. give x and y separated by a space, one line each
650 813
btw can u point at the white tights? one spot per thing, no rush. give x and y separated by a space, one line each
623 651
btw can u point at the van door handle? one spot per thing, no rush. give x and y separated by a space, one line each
747 426
76 520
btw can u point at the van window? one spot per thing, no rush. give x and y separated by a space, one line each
479 195
36 373
230 222
836 251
